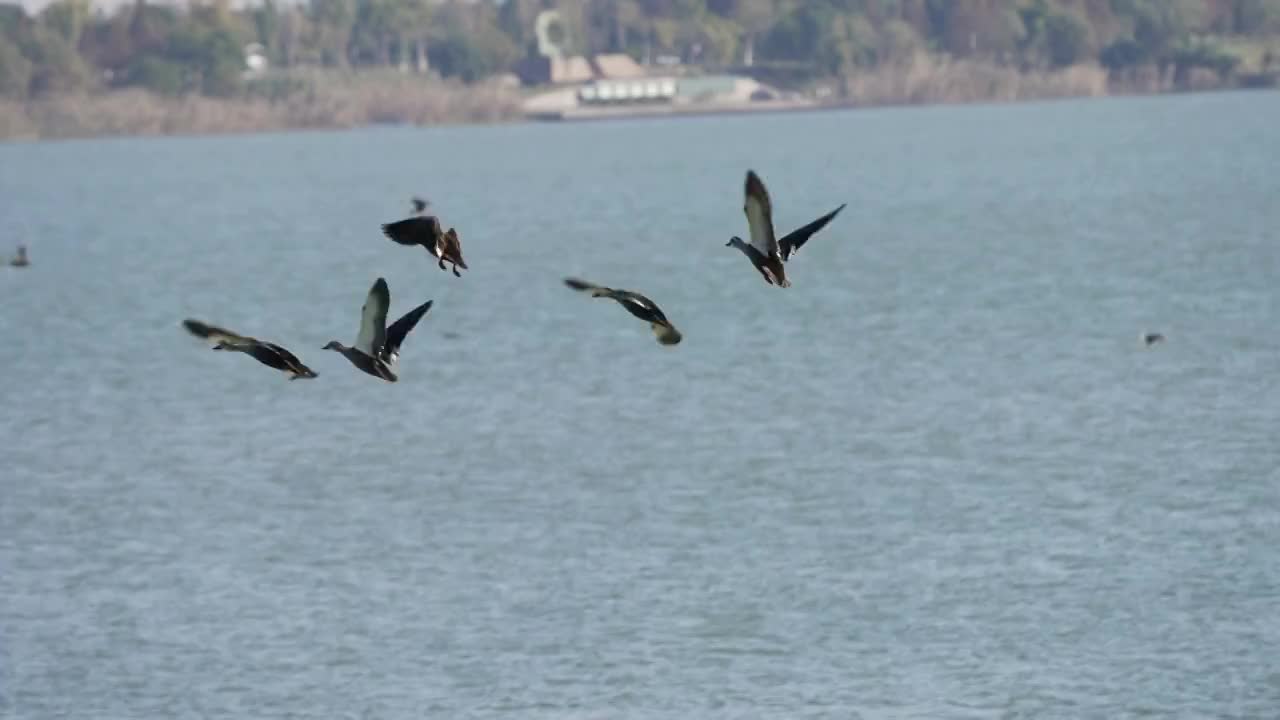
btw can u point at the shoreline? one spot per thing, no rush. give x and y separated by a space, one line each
574 115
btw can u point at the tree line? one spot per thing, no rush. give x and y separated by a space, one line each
200 48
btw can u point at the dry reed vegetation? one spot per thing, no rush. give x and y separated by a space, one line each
928 79
300 100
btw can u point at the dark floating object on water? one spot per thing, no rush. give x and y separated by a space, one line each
377 348
1152 338
636 304
765 251
21 259
425 230
268 354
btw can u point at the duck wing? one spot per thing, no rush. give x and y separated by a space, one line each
640 306
422 230
584 286
373 319
399 329
759 212
798 237
216 334
289 358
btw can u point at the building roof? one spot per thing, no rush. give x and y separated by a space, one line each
617 65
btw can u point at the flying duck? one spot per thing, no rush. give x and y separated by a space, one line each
419 205
425 230
377 348
268 354
765 251
636 304
21 260
1152 338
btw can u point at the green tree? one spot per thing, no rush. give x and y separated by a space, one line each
473 57
754 17
67 18
15 70
332 21
974 28
899 42
1256 17
1066 38
56 66
1123 54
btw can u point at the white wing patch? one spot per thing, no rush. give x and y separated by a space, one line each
636 302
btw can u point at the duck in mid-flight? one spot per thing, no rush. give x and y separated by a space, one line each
765 251
269 354
377 348
636 304
425 230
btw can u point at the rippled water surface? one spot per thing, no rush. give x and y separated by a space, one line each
939 477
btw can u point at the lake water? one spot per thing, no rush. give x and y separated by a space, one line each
939 477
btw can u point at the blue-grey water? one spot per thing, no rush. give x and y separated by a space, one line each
939 477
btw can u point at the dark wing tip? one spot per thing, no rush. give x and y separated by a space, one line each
755 188
197 328
401 328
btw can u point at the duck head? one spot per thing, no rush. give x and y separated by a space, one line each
333 345
735 241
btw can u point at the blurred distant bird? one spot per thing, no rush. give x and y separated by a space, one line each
419 205
765 251
268 354
377 348
1152 338
636 304
425 230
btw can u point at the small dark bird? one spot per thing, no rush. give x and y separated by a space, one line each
1152 338
765 251
21 259
268 354
425 230
377 348
636 304
419 205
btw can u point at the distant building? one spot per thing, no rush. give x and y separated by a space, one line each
671 90
555 63
555 70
